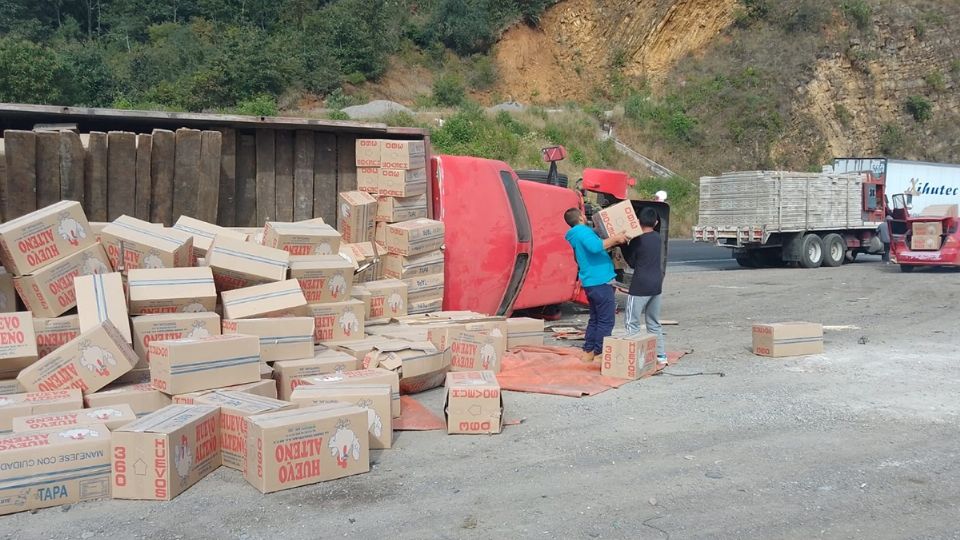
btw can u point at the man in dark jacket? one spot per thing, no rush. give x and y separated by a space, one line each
644 255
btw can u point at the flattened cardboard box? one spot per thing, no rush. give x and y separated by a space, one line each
442 334
18 343
421 366
55 332
368 153
357 211
40 469
10 386
477 351
43 237
291 373
375 398
395 209
629 357
301 239
171 290
338 322
474 404
100 298
323 279
304 446
141 397
163 453
363 376
49 292
425 288
169 326
402 154
524 331
29 403
89 362
278 299
414 237
188 365
8 292
402 267
285 338
145 246
618 219
364 254
266 388
360 349
235 407
368 179
388 299
787 339
402 183
237 264
203 233
111 417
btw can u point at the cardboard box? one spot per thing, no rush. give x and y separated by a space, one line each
388 299
787 339
134 376
414 237
290 373
278 299
375 398
524 331
140 397
477 351
420 365
237 264
359 292
424 288
145 246
169 326
30 403
402 183
925 243
380 235
443 334
285 338
165 452
302 239
404 155
49 291
940 211
101 297
111 417
368 179
927 228
203 233
356 216
323 279
188 365
425 306
338 321
8 292
362 376
368 153
40 469
401 331
235 408
618 219
55 332
395 209
403 267
18 343
629 357
43 237
360 349
89 362
266 388
304 446
10 386
364 255
171 290
474 404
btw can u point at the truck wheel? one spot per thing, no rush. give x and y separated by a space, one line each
747 260
906 268
834 250
811 252
850 256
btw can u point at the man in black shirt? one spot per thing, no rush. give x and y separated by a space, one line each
644 255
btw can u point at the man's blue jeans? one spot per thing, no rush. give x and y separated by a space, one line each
603 314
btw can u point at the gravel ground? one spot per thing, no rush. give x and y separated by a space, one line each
860 442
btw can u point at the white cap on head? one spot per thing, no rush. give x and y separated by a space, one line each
661 195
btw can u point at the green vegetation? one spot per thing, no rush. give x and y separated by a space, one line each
936 82
858 12
891 139
919 108
448 90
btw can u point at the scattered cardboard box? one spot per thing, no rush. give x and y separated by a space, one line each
925 243
474 403
237 264
357 211
359 292
414 237
388 298
362 376
101 297
204 233
30 403
403 155
402 183
18 343
630 357
787 339
619 218
284 338
266 388
278 299
368 179
940 211
524 331
112 417
367 153
43 237
171 290
50 292
424 288
338 321
8 292
145 246
170 326
420 307
420 365
52 333
360 349
141 397
165 452
395 209
302 239
10 386
477 351
927 228
188 365
375 398
323 279
380 235
364 254
403 267
290 373
442 334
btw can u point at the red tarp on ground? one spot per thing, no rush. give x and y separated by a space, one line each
415 417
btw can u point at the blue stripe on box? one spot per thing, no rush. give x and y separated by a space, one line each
104 471
193 231
100 297
214 364
150 233
184 281
54 473
242 255
277 340
263 296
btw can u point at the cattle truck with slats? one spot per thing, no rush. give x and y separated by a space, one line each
771 218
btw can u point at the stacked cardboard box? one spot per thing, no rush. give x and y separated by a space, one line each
414 255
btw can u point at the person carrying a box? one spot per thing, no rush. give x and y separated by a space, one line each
596 275
644 256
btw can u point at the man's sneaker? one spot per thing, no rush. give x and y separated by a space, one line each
662 361
587 357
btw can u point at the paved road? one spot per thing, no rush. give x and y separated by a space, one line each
687 256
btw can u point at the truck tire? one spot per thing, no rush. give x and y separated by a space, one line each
747 260
834 250
811 252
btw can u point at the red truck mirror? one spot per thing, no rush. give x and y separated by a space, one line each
552 154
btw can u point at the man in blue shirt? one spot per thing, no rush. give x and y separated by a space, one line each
596 276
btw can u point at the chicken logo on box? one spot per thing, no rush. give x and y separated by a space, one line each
70 229
79 434
92 265
96 359
104 414
374 422
183 458
344 444
349 323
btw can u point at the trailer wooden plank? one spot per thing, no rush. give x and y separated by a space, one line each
346 162
284 178
186 173
226 205
266 176
72 159
162 158
246 199
121 173
144 189
303 175
208 191
21 157
325 177
48 168
95 177
3 180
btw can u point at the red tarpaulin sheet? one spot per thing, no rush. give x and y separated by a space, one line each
556 370
415 417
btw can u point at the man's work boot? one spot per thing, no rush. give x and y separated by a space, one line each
587 357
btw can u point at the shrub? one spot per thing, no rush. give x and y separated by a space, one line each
843 115
891 140
936 82
919 108
262 105
338 115
858 12
809 16
483 73
448 90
